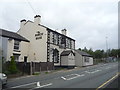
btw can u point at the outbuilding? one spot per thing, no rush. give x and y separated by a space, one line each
82 58
68 58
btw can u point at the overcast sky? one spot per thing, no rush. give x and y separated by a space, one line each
89 22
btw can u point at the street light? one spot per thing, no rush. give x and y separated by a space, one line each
107 48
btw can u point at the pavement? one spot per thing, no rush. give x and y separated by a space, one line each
92 77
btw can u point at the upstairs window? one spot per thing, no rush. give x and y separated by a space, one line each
16 45
55 39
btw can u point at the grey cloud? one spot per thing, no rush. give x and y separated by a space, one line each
87 22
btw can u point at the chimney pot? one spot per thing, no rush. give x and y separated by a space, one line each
37 19
22 22
64 31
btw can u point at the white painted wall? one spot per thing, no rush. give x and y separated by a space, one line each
37 48
52 46
24 48
78 59
10 49
71 60
68 60
64 61
87 63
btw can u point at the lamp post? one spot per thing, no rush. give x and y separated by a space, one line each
106 48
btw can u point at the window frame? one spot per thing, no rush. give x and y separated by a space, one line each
17 45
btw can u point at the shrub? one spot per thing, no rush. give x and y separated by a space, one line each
12 66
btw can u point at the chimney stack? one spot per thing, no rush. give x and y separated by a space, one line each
64 31
22 23
37 19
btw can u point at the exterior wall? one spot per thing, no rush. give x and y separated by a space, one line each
37 48
58 45
4 47
24 48
8 49
64 61
68 60
87 63
78 59
71 60
52 46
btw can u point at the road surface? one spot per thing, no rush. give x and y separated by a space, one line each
96 77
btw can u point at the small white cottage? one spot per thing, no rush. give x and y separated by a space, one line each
83 58
68 58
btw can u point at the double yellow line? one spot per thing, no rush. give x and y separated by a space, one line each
108 81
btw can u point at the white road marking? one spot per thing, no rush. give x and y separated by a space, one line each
77 75
38 84
93 71
63 78
44 85
24 85
72 74
107 67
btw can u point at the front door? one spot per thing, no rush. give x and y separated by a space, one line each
25 59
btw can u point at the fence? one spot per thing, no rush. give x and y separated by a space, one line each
31 67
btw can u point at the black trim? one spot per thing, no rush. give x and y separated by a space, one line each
48 46
57 32
16 50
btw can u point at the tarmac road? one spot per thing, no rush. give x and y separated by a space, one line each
87 77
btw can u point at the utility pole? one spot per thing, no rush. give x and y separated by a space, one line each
106 48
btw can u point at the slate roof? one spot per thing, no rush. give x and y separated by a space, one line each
52 30
66 53
83 53
13 35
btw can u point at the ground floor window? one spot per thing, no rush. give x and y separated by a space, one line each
56 56
16 57
86 59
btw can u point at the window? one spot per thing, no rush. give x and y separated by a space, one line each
16 57
56 56
68 43
55 39
86 59
63 42
60 40
16 45
72 44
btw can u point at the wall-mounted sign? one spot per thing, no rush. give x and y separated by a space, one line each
38 35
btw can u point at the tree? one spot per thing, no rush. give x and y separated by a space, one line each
12 66
85 49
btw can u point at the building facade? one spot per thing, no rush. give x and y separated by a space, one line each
83 58
46 45
13 44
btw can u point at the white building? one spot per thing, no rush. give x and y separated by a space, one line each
46 45
68 58
83 58
13 44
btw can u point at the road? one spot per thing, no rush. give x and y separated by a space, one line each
87 77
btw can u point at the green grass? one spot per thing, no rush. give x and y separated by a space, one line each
46 72
36 73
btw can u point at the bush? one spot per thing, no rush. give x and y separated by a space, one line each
12 66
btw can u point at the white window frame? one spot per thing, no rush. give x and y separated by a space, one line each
16 44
